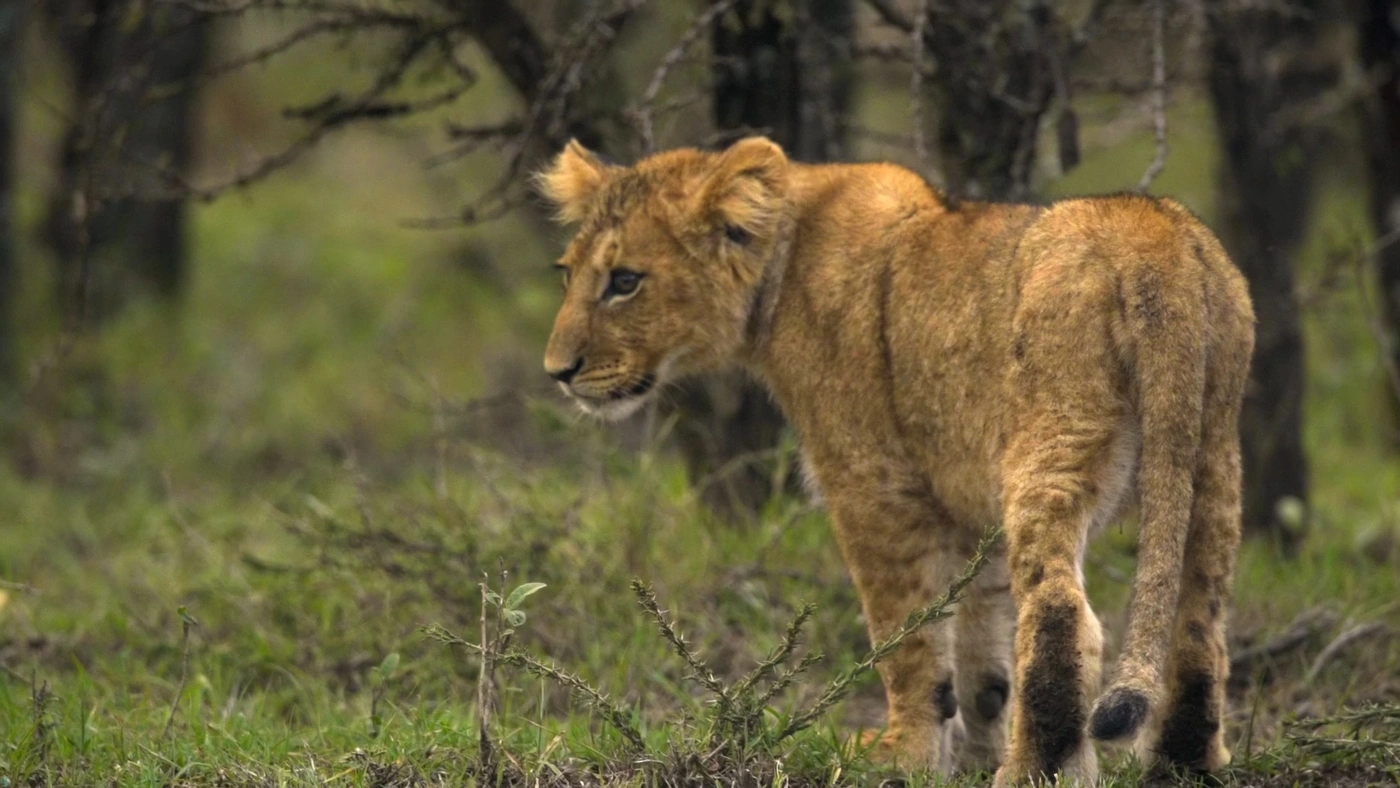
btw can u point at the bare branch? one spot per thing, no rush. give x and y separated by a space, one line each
642 114
357 20
1306 626
880 136
509 38
470 139
892 16
1363 268
1340 643
1159 95
330 114
23 588
883 51
551 80
494 205
1084 33
916 81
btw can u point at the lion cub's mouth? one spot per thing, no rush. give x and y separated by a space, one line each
618 403
637 389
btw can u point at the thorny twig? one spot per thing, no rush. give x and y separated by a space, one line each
779 655
1369 731
1353 719
738 708
940 608
40 696
483 683
724 699
785 678
187 622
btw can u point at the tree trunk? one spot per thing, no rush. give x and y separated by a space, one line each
1264 65
989 92
11 39
134 106
789 78
1379 37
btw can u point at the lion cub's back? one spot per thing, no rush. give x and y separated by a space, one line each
1118 240
1130 268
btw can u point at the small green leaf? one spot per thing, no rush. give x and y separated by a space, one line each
518 595
493 597
390 663
515 617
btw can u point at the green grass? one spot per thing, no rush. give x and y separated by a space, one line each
311 457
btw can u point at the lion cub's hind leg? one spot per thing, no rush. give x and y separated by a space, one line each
894 545
1070 425
1189 733
1058 642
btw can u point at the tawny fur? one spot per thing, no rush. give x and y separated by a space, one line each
950 369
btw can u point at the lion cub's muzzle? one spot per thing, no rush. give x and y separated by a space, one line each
608 399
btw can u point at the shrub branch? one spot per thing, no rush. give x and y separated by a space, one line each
700 672
585 692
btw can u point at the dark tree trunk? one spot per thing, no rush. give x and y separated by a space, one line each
132 67
1263 65
789 78
1379 37
989 93
11 27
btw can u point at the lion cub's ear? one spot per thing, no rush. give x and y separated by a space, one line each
573 180
745 187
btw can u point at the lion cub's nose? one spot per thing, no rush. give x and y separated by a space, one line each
564 375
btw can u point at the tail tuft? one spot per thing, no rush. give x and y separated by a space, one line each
1118 714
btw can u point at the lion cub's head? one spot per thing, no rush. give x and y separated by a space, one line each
660 279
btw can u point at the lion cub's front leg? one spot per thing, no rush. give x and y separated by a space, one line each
892 548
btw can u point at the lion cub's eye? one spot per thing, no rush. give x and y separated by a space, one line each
736 234
622 282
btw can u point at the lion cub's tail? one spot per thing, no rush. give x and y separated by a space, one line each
1167 329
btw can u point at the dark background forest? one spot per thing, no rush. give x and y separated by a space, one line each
274 289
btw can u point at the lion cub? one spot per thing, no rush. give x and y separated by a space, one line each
950 368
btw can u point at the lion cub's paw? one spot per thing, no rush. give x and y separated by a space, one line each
913 748
1080 770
